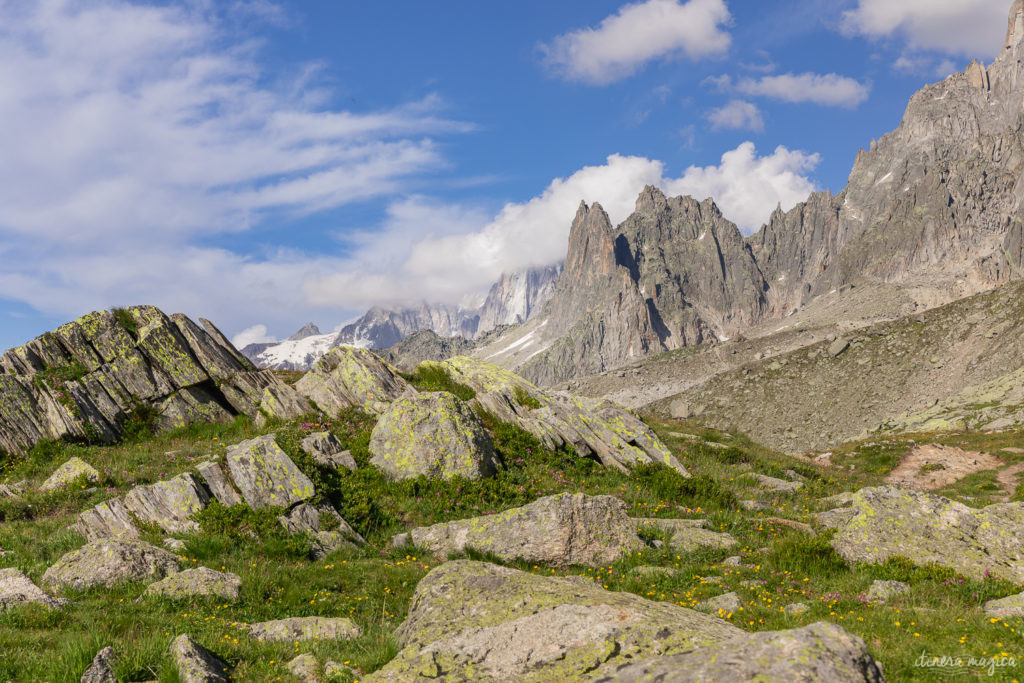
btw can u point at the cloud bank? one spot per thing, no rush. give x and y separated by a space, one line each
974 28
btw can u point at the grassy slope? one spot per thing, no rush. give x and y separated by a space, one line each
373 586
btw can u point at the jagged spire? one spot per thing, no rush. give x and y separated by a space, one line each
1015 25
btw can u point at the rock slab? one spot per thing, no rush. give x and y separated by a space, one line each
106 563
197 582
305 628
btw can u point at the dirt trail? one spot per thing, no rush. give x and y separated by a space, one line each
1008 479
930 467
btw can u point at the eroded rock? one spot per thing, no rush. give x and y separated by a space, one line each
71 471
196 664
325 526
326 450
348 377
16 590
265 475
688 535
108 562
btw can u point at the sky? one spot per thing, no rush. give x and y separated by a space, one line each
264 164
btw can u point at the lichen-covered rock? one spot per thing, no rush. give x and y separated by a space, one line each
818 652
348 376
886 522
305 628
109 519
106 563
561 530
196 664
435 435
327 530
795 608
306 668
265 475
688 535
197 582
326 450
16 590
881 592
169 504
481 622
218 483
1010 606
777 485
284 402
721 605
73 470
102 668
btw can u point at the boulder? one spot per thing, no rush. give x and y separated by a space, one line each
109 519
218 483
16 590
435 435
169 504
106 563
1010 606
881 592
306 668
265 475
283 402
304 628
73 470
777 485
197 582
348 377
818 652
688 535
561 530
102 668
196 664
326 528
481 622
887 522
336 670
721 605
326 450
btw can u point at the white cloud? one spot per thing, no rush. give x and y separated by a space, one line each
737 114
746 187
969 28
637 34
257 334
826 89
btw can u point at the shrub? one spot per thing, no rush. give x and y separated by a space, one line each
670 486
140 423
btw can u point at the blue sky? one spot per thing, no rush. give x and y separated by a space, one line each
268 163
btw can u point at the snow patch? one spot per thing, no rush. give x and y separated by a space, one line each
881 180
300 353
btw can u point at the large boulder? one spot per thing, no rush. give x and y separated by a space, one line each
304 628
348 377
197 582
432 434
16 590
71 471
169 504
481 622
265 475
595 428
106 563
562 530
887 522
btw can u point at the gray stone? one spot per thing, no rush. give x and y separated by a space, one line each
721 605
882 592
169 504
306 668
102 668
795 608
305 628
265 475
1010 606
326 528
283 402
777 485
435 435
16 590
348 377
197 582
196 664
836 348
333 670
106 563
109 519
733 561
71 471
174 544
325 449
688 535
561 530
218 483
754 505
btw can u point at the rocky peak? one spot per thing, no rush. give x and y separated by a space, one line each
308 330
1015 25
651 200
591 252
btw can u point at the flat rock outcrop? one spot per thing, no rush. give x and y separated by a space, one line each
352 377
481 622
71 471
106 563
304 628
16 590
886 522
86 378
432 434
197 582
562 530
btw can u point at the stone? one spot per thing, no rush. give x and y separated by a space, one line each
306 668
733 561
110 519
265 475
71 471
561 530
721 605
887 522
218 483
334 670
882 592
108 562
435 435
1010 606
818 652
174 545
348 377
283 402
792 524
836 348
196 664
326 450
795 608
777 485
688 535
754 505
16 590
327 530
197 582
14 490
169 504
646 572
305 628
102 668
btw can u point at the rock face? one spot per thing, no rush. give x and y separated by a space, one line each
601 430
16 590
106 563
888 522
196 664
84 379
198 582
72 470
433 434
102 668
422 346
562 530
350 377
480 622
304 628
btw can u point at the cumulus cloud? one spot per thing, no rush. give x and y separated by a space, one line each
746 186
638 33
974 28
737 114
257 334
826 89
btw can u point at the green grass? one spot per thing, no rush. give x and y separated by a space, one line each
434 377
127 321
